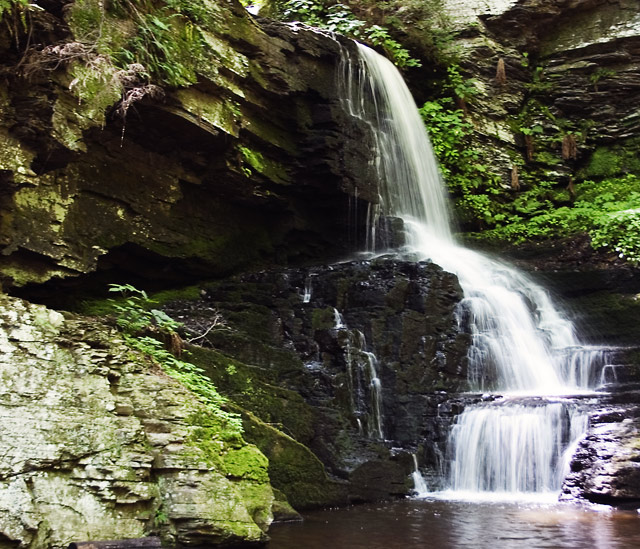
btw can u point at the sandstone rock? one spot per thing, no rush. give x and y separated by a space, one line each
248 166
606 465
100 444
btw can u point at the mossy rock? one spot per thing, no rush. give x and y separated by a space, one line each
293 468
614 160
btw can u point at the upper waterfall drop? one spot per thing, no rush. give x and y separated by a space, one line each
521 343
412 185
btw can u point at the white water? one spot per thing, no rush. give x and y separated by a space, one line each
364 384
306 296
521 344
419 484
513 448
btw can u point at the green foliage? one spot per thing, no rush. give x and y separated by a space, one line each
614 160
133 312
599 74
166 42
8 5
461 87
537 129
468 179
341 19
609 211
135 317
619 231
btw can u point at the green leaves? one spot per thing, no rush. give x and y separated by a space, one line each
468 179
134 317
609 211
339 18
6 5
619 231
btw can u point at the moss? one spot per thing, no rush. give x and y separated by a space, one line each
269 168
249 387
234 248
548 158
188 293
219 113
267 412
211 438
323 319
246 463
612 161
293 468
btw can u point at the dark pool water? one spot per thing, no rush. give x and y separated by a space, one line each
445 524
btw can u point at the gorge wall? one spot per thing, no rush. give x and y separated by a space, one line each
248 166
252 166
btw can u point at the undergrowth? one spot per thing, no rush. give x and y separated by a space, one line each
146 329
8 5
608 210
340 18
470 181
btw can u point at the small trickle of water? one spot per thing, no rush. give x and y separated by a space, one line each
376 393
609 375
338 321
306 296
364 383
419 484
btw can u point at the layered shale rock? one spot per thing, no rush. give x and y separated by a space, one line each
98 443
347 358
570 69
248 165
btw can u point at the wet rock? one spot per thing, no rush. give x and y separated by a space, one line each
571 66
606 465
320 334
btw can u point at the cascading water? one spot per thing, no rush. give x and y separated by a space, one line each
521 345
364 383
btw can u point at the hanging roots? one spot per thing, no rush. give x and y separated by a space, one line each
528 143
515 179
569 147
501 75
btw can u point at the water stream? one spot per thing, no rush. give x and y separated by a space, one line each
419 524
523 347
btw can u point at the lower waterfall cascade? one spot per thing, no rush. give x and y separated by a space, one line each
525 354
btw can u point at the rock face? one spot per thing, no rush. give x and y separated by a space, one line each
606 465
366 344
99 444
247 166
571 69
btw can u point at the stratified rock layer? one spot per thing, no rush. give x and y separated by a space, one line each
315 340
606 465
250 165
571 67
99 444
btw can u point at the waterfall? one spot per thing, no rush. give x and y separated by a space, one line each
419 484
513 447
521 344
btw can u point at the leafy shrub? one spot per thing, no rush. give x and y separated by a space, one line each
621 232
135 317
469 180
341 19
609 211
